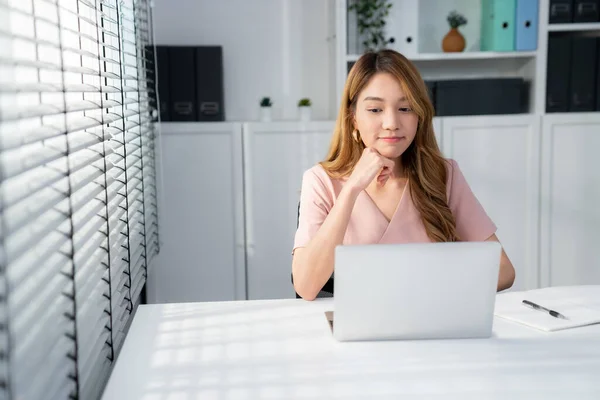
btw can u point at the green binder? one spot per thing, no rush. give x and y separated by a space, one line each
498 25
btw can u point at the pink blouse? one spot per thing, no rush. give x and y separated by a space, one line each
367 223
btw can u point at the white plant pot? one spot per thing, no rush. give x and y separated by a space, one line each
305 113
265 114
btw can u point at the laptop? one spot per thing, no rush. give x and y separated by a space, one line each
415 291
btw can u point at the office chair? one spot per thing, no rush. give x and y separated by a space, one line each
327 290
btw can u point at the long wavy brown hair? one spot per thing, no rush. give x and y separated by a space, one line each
423 162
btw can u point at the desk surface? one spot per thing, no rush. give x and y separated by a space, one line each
283 349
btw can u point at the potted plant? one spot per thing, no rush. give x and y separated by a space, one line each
371 16
454 41
265 109
304 109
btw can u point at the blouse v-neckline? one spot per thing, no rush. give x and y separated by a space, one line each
396 210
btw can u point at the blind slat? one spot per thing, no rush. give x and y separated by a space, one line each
87 276
21 241
41 251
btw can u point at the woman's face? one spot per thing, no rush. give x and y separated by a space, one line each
384 118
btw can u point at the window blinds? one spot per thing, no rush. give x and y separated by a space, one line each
78 201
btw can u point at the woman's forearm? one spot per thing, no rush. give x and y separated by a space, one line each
313 265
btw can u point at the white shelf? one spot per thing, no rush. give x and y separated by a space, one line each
573 27
474 55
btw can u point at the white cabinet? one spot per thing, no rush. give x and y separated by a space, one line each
499 156
275 157
570 199
202 253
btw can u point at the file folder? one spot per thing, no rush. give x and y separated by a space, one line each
583 74
498 25
526 25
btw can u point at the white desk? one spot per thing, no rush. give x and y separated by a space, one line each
283 349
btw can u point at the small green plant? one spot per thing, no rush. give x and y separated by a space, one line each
266 102
304 103
455 19
371 18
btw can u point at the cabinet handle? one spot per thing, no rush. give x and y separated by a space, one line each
505 25
527 24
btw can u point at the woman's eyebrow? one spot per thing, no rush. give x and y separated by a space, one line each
374 98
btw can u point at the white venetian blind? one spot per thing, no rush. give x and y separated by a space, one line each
78 212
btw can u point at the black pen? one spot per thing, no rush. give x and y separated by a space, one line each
555 314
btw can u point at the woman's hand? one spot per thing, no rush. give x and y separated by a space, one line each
370 166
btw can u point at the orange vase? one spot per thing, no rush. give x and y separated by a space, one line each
453 42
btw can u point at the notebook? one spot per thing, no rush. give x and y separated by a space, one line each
578 311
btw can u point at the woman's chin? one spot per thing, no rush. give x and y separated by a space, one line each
391 153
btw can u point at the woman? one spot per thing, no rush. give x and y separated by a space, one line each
384 179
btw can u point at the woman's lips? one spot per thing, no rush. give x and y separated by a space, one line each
391 139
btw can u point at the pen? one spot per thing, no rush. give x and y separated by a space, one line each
555 314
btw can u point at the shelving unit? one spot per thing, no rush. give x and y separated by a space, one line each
574 27
418 27
473 55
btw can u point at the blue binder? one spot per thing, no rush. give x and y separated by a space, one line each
498 25
526 35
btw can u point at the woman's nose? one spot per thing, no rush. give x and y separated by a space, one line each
390 120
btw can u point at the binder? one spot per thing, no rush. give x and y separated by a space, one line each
586 10
209 84
182 70
582 92
162 74
498 25
558 73
598 75
561 11
526 25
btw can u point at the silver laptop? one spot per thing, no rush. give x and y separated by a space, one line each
415 291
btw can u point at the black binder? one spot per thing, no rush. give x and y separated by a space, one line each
558 74
586 10
162 73
561 11
209 84
182 94
598 74
582 92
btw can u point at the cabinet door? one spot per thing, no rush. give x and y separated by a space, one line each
275 158
202 252
499 157
570 200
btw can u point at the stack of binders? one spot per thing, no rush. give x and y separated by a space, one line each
573 74
190 83
509 25
567 11
573 68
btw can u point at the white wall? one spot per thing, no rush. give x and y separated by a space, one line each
276 48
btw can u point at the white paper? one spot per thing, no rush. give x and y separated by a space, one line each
510 306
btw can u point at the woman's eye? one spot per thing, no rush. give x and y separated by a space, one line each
374 110
405 109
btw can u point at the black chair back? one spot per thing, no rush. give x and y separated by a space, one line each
327 290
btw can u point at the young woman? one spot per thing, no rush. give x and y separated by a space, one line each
384 179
